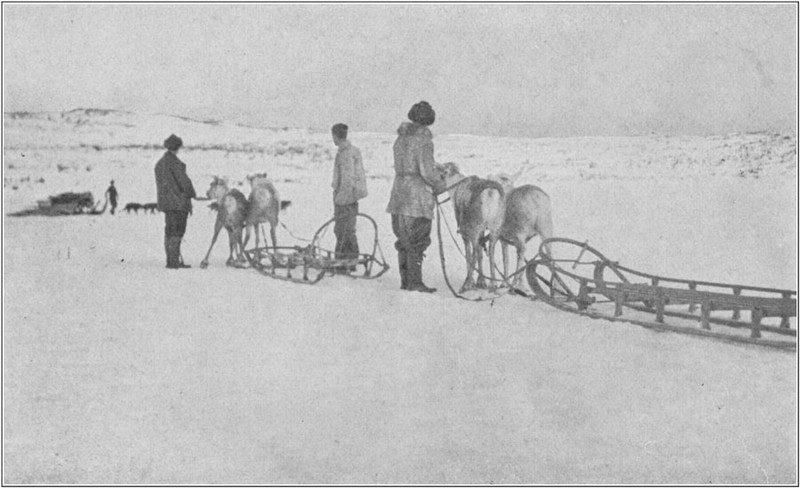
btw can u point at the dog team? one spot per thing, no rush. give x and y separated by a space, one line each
112 195
487 210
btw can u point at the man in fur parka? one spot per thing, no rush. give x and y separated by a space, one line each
412 201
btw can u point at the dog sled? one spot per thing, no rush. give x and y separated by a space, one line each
309 264
70 203
67 203
577 278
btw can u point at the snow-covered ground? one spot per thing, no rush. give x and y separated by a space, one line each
117 370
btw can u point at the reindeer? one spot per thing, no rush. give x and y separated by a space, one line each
150 207
479 208
528 213
264 205
232 209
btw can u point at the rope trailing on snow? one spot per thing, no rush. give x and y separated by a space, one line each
505 279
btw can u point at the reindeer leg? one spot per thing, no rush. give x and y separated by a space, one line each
468 283
492 246
478 250
217 228
242 256
257 253
504 248
272 235
235 245
231 248
247 237
240 259
520 262
544 226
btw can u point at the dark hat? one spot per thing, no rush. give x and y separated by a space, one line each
173 142
340 131
422 113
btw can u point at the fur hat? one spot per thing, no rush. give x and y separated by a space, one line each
173 142
422 113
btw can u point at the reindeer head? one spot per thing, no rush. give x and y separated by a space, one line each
257 179
217 189
450 173
505 180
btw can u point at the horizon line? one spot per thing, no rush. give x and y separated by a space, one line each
213 121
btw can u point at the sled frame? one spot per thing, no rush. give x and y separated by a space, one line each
593 285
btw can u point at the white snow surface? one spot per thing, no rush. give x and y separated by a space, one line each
117 370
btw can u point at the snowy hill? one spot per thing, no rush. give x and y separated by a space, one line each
117 370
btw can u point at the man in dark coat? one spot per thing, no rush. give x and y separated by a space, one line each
411 204
175 191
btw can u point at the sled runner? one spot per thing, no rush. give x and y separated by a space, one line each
309 264
578 278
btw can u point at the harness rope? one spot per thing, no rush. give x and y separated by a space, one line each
505 279
290 233
293 234
324 259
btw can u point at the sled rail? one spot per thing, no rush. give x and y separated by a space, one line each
309 264
615 292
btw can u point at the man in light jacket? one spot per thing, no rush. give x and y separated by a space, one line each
416 181
175 192
349 186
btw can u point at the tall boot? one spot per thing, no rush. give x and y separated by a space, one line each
414 272
402 261
174 259
181 264
168 251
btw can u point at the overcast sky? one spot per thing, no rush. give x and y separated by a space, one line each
519 70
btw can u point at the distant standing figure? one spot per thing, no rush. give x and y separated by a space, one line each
349 186
112 194
416 181
175 191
